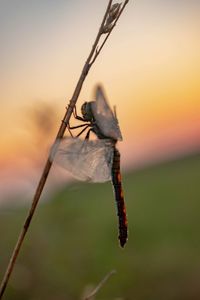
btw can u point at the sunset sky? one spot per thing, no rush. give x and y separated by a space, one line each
150 69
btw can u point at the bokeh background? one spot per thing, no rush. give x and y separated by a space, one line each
150 69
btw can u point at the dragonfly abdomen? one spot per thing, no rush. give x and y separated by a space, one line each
119 197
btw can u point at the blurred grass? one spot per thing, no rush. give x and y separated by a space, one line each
72 242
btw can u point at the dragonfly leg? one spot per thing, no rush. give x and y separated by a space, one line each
88 125
68 127
78 126
76 116
75 112
88 134
75 127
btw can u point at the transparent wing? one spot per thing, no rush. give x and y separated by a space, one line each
86 160
104 116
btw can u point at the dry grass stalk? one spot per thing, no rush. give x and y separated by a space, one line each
99 286
110 19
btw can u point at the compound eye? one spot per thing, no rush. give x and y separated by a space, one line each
84 110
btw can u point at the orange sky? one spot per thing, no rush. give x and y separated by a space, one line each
150 69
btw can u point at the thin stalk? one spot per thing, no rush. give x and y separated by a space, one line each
108 34
89 62
100 285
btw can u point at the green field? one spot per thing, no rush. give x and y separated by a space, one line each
72 242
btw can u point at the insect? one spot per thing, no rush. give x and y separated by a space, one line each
96 160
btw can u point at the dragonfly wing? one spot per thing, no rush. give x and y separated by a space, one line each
99 160
104 116
85 160
66 153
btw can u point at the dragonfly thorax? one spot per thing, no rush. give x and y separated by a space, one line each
91 114
86 110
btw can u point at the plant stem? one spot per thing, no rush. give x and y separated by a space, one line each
89 62
100 285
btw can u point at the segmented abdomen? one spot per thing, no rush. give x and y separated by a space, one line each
119 197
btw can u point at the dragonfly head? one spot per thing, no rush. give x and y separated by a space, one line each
86 110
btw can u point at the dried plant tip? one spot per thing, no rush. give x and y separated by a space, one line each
107 28
112 15
115 10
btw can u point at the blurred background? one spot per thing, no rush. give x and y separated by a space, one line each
150 70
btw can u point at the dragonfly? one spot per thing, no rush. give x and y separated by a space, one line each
96 160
